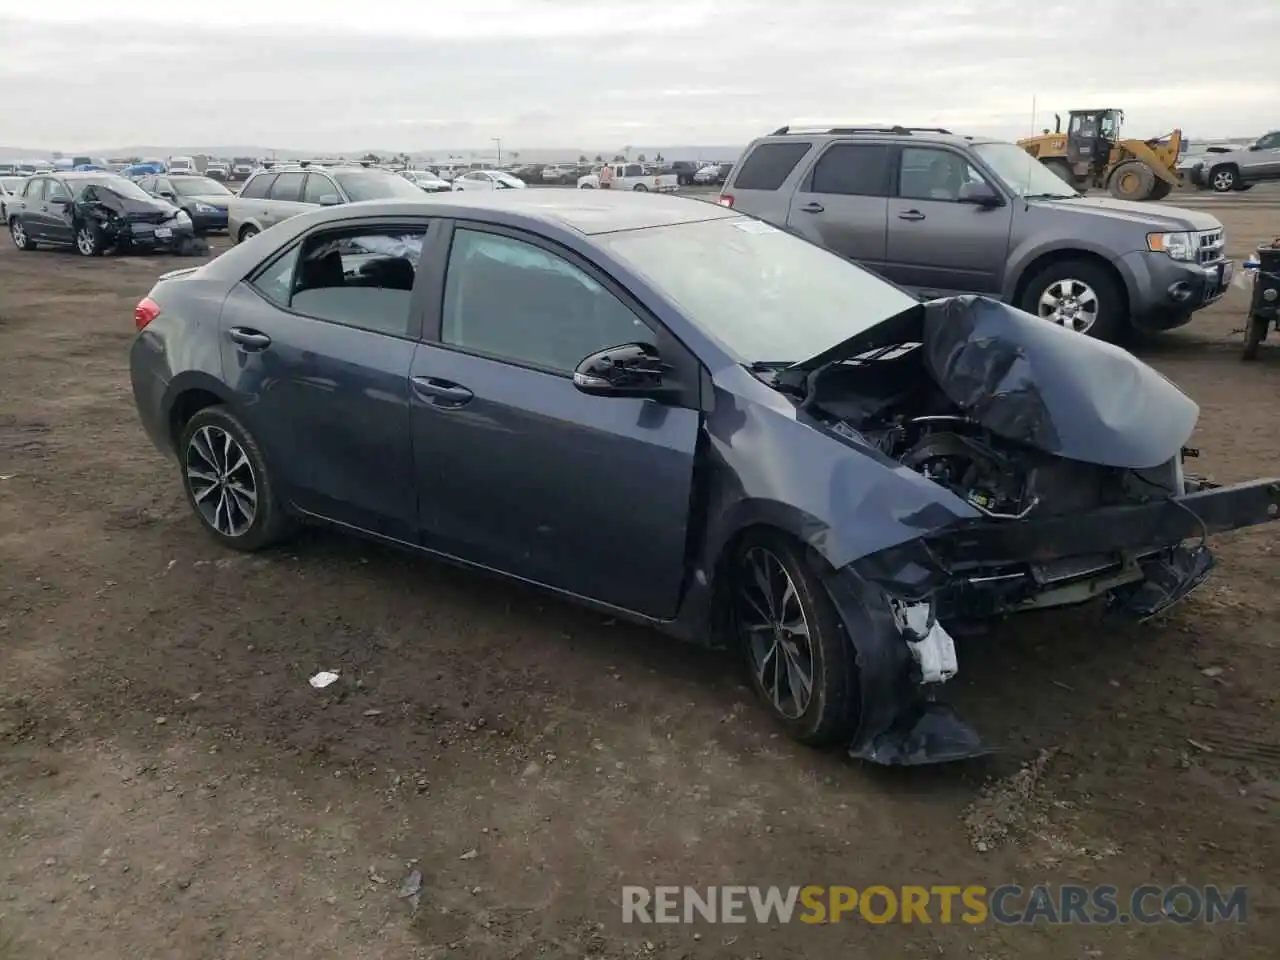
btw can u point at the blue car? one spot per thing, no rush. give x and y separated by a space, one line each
687 417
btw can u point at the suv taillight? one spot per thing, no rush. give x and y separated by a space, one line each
146 311
725 200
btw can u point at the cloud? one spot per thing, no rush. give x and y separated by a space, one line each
324 76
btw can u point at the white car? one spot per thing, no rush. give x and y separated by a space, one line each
707 174
487 180
182 165
428 181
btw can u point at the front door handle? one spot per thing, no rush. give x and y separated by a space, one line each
441 393
911 215
813 207
249 339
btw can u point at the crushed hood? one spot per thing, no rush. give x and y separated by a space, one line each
134 207
1031 381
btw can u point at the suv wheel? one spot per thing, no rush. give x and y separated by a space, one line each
1078 295
1224 179
248 233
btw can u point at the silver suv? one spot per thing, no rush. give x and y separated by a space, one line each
271 196
942 214
1240 169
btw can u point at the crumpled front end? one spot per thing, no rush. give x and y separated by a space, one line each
1070 453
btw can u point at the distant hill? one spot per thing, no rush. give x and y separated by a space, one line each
723 153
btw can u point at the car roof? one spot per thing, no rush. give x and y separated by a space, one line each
587 211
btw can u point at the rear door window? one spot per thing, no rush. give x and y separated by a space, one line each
257 187
288 186
318 188
359 278
852 170
769 165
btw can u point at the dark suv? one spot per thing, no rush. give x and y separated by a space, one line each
942 214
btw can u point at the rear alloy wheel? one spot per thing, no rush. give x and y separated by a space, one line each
88 240
1223 179
18 232
227 484
800 659
1078 296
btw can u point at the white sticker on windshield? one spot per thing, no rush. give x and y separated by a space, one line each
754 226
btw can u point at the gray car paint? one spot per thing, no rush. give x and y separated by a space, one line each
949 248
625 504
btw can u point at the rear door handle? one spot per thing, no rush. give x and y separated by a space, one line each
249 339
441 393
813 207
911 215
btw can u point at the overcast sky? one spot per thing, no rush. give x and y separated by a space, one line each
321 75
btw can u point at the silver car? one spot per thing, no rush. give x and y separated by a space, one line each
1240 169
272 196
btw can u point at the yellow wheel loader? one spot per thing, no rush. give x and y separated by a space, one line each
1091 153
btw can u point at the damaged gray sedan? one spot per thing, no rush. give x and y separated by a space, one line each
686 417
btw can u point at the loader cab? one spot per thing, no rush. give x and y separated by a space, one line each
1091 135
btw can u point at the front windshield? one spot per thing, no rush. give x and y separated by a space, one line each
1022 173
368 185
117 185
767 295
201 187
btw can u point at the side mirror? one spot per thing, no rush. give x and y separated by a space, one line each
980 194
330 200
168 195
1255 146
627 370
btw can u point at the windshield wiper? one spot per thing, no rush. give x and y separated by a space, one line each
1050 196
768 366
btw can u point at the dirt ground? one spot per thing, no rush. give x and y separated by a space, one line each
172 787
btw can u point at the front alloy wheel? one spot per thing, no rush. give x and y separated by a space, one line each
1224 180
793 640
1070 303
87 241
777 633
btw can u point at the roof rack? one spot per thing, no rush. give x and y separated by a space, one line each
897 130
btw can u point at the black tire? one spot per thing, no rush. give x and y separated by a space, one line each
1132 180
1111 320
270 522
1224 179
89 242
831 712
1161 190
248 232
640 188
1255 331
21 239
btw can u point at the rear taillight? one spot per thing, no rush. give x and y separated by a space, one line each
725 200
146 311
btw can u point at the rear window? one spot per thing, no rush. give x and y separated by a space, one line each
769 165
256 188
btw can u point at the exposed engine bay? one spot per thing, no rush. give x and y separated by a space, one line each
920 427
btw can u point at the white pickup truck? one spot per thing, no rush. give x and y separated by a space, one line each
631 176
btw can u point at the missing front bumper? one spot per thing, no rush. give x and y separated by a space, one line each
1135 555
